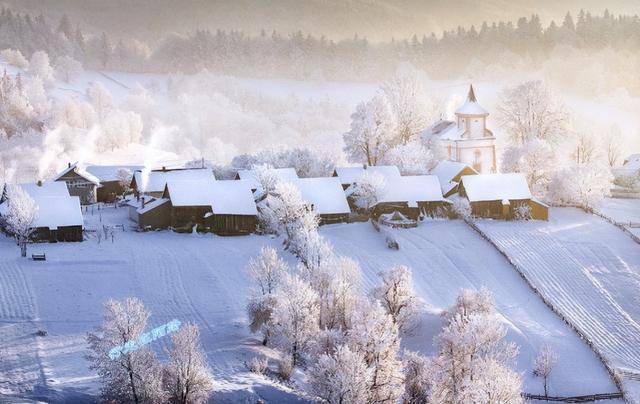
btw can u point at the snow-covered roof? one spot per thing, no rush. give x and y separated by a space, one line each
325 194
496 187
227 197
151 205
109 173
632 163
446 130
471 106
54 211
46 189
80 171
284 174
412 189
156 180
447 170
351 175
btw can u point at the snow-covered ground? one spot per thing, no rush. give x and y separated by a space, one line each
201 278
589 270
623 211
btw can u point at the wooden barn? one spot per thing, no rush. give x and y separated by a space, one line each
80 183
152 183
150 213
498 196
59 215
449 173
326 197
110 184
411 196
283 174
351 175
222 207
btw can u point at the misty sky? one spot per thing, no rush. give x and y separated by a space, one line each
377 19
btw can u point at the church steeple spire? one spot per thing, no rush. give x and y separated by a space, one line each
472 95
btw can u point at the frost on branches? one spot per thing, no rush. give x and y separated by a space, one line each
584 185
543 366
395 293
536 159
368 190
472 360
21 216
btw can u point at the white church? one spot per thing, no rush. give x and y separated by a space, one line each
467 140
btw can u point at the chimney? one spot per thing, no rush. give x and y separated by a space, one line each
164 168
143 203
39 183
68 165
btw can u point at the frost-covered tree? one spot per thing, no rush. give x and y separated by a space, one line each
461 207
395 293
495 384
530 111
21 216
368 190
134 376
68 69
372 131
543 366
39 66
187 377
15 58
584 185
536 159
412 158
416 378
469 346
119 129
342 377
267 179
267 272
295 317
408 102
374 335
100 98
124 176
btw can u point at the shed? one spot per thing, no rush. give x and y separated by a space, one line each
80 183
326 197
150 213
499 195
411 196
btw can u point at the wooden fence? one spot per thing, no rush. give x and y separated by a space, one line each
574 399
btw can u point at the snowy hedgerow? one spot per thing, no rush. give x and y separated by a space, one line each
584 185
416 378
39 66
543 365
134 376
15 58
372 131
368 190
187 377
395 293
21 216
342 377
374 335
285 367
68 69
295 317
258 365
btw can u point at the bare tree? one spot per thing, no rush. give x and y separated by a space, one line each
21 216
529 111
613 145
187 378
543 365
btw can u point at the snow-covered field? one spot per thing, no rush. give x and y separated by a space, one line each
201 278
623 211
589 270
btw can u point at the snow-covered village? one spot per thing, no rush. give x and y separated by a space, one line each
344 202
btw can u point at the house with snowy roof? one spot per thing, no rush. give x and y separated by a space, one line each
449 174
351 175
153 182
251 176
412 196
326 197
223 207
110 182
466 139
500 196
80 183
59 214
